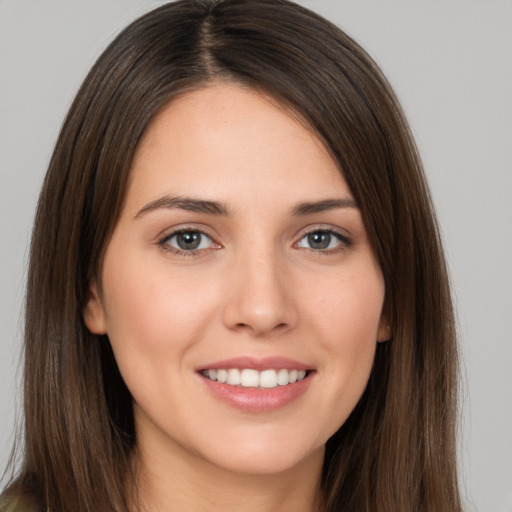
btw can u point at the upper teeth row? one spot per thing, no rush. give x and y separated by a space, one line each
250 378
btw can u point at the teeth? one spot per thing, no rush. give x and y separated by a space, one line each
268 379
283 377
233 377
249 378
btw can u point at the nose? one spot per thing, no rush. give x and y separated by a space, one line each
259 298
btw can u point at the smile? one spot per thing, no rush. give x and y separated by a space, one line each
255 384
251 378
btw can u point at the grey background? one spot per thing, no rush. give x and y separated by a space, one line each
450 62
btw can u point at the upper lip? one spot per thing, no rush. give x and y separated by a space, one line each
257 363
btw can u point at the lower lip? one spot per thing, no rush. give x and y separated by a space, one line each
256 399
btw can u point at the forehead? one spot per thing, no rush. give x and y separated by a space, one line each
231 139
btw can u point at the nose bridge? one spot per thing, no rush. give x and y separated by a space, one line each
259 300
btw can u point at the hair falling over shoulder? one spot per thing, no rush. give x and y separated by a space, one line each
396 452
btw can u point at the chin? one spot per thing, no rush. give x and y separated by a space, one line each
264 458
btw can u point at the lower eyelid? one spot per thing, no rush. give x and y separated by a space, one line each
343 240
183 229
164 240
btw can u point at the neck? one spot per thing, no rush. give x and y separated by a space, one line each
172 482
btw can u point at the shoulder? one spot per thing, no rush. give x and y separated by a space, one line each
16 505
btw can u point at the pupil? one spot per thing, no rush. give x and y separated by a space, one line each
319 240
188 240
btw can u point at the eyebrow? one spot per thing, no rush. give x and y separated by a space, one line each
216 208
309 208
185 203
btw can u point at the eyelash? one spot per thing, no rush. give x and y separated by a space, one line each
345 242
164 242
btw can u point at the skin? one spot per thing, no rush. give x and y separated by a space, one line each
255 287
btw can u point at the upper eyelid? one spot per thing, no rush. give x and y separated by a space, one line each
163 243
210 233
323 227
345 240
170 232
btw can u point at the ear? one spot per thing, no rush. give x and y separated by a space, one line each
384 332
94 314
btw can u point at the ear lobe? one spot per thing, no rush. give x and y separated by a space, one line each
384 332
94 314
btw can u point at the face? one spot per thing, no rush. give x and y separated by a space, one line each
239 290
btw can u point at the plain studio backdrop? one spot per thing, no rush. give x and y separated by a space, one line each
450 62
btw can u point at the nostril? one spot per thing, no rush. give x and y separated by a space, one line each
259 313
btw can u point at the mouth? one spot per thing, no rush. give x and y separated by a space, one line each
251 378
257 385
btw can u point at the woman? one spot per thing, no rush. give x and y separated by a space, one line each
195 337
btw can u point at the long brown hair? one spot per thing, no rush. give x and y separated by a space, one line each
396 452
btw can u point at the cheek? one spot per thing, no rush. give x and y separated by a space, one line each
153 321
348 309
153 317
346 321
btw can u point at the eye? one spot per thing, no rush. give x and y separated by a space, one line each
187 240
323 240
